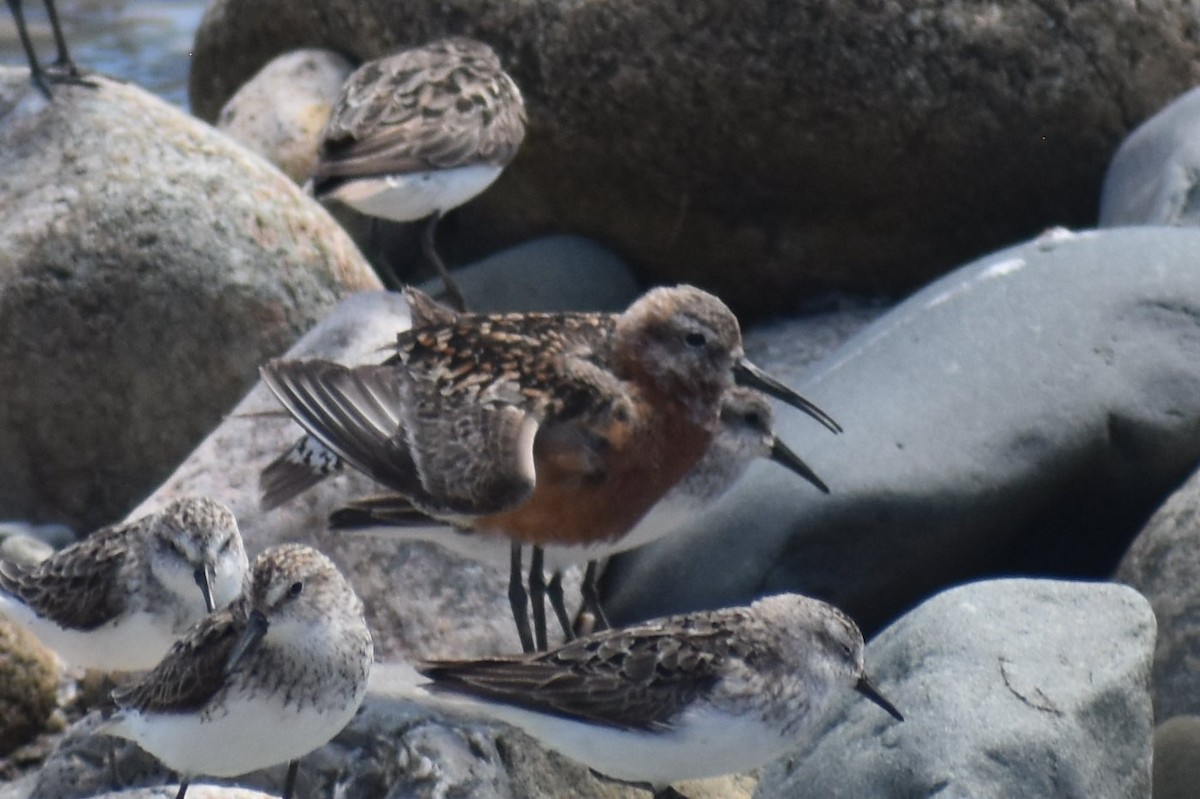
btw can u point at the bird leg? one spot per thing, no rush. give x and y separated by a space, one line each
591 596
64 58
35 69
537 597
183 786
289 782
518 599
555 591
454 297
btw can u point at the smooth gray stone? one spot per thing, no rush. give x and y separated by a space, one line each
1009 688
1163 563
1152 180
1025 413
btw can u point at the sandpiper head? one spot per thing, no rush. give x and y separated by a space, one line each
293 589
747 432
824 638
686 341
197 553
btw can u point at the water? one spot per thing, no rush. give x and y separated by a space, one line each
147 42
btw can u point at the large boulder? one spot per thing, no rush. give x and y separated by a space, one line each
147 266
765 149
28 686
1024 414
1009 688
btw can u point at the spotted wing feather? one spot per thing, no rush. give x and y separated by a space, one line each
193 670
638 678
76 588
445 105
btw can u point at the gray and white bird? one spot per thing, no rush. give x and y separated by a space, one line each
685 697
120 598
266 680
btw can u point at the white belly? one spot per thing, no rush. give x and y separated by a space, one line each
248 735
704 744
135 643
405 198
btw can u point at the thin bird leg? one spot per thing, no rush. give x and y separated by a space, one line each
555 591
518 599
591 596
386 269
35 69
183 785
537 597
289 782
64 58
454 297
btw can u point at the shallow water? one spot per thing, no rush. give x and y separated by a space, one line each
146 42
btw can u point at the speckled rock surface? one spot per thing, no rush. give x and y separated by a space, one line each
281 111
28 685
768 149
147 266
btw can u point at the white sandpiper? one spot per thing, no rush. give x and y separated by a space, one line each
118 599
265 681
686 697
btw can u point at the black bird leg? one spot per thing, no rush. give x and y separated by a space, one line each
519 600
454 297
537 597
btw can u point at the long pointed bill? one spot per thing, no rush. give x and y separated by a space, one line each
204 578
747 374
256 628
864 687
785 457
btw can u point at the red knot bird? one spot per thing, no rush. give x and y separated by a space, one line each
561 428
686 697
419 133
119 599
274 675
746 433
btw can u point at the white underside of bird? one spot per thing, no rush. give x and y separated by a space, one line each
406 198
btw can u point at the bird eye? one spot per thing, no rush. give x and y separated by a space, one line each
695 339
295 590
752 419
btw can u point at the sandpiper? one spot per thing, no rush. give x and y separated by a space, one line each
421 132
546 428
276 674
118 599
686 697
63 69
746 432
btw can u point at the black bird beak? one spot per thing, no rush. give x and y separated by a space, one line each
256 628
785 457
864 687
749 375
204 578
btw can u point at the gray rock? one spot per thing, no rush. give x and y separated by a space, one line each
1009 688
767 149
1152 179
1164 564
281 111
1177 758
1023 414
147 266
420 600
